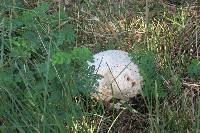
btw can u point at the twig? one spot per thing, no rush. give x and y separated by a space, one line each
190 84
114 121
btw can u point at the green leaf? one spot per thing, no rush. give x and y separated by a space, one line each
43 71
194 69
61 58
69 33
66 34
16 23
147 67
60 38
110 45
19 42
6 78
59 15
42 8
28 18
9 4
81 54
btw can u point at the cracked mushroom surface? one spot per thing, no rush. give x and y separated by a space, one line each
120 76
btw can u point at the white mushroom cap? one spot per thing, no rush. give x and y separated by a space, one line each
120 76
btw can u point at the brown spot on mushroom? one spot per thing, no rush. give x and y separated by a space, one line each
133 83
127 78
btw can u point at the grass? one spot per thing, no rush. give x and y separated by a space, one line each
44 83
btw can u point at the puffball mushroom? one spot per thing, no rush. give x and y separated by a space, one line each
120 76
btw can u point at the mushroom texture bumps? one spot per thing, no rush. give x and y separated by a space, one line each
120 77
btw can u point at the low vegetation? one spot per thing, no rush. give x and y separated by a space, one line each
45 81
